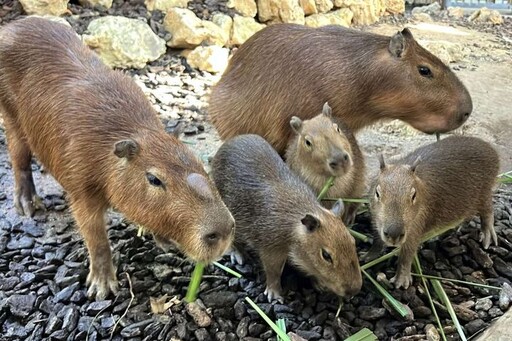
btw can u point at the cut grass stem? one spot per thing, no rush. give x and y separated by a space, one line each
438 288
272 325
228 270
364 334
391 300
326 187
457 281
195 282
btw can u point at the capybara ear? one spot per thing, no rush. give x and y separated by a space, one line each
296 124
327 110
415 164
200 185
397 45
407 33
338 208
126 149
310 222
381 162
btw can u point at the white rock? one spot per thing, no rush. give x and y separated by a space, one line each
341 17
309 6
455 12
165 5
247 8
486 15
52 18
324 6
243 29
208 58
123 42
95 3
225 22
45 7
287 11
189 31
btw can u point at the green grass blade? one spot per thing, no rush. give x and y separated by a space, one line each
359 236
195 281
228 270
363 335
359 200
446 301
326 187
272 325
418 268
391 300
281 325
457 281
380 259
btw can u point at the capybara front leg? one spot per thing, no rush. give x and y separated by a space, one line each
26 200
273 265
90 218
487 225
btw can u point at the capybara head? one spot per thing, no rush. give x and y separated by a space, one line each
419 82
153 184
320 144
396 201
327 251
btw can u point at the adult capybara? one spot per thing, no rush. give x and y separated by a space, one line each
435 186
94 130
287 70
324 147
277 215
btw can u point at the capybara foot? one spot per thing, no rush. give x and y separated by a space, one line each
402 279
27 203
487 236
274 294
101 283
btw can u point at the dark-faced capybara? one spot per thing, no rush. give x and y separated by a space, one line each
94 131
324 147
277 215
433 187
287 70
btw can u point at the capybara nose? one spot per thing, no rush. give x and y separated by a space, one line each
339 161
211 238
353 290
463 117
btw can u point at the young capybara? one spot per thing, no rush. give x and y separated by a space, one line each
94 131
435 186
277 215
324 147
288 69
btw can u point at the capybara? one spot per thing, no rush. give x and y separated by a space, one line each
324 147
287 70
435 186
96 133
277 216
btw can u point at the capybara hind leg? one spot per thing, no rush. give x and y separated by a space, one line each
487 226
26 200
273 266
90 218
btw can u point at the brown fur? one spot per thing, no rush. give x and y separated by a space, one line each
435 186
323 147
94 131
277 215
288 69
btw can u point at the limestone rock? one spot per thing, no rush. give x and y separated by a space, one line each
123 42
243 29
395 6
225 22
52 18
367 12
96 3
189 31
208 58
308 6
455 12
45 7
247 8
485 15
433 9
324 6
341 17
424 17
346 3
448 52
287 11
165 5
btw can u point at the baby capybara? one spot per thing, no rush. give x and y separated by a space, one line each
324 147
435 186
94 131
277 215
287 70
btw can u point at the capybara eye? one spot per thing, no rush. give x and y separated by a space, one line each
326 256
153 180
413 196
377 194
308 143
425 71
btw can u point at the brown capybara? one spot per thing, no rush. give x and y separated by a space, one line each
288 69
324 147
433 187
94 131
277 216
